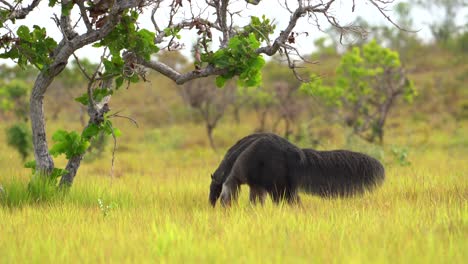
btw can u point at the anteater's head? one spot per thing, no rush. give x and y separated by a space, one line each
215 189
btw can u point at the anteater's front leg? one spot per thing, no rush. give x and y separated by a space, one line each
230 191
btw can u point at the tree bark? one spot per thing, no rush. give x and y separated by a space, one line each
209 131
72 168
44 162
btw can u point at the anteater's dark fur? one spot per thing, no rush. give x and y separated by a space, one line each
270 164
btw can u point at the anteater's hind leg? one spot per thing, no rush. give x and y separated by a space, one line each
293 198
230 191
257 194
290 196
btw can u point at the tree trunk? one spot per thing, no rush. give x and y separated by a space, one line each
287 131
209 130
237 114
44 162
72 168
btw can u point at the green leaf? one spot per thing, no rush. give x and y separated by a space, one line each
83 99
90 131
30 164
117 132
119 82
220 81
24 33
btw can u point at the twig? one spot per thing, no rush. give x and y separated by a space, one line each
81 67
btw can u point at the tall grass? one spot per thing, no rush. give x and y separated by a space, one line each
154 209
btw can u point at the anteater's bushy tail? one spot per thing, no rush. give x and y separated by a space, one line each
339 173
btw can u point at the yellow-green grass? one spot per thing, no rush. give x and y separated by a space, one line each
159 210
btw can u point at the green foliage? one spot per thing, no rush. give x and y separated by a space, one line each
105 208
261 28
69 143
363 74
19 137
72 144
172 31
239 58
126 37
400 155
368 80
256 96
98 95
315 87
33 47
14 97
42 188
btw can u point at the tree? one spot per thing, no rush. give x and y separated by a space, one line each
260 99
210 101
446 28
288 105
113 26
405 42
369 82
14 99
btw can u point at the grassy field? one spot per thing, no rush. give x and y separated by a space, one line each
155 208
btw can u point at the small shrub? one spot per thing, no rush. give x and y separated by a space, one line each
400 155
105 208
20 138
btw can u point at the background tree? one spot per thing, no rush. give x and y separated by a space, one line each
114 27
261 100
210 101
405 42
289 106
445 29
369 80
14 100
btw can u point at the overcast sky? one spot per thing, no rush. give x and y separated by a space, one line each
271 8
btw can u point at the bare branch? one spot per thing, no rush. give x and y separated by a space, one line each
82 69
20 13
153 12
65 23
133 121
177 77
298 13
382 11
7 4
84 15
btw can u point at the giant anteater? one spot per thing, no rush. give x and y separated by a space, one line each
271 164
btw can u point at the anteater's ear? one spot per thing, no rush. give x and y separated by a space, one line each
212 176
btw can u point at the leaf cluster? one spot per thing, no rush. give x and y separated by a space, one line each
261 28
240 59
19 137
368 74
33 47
126 37
368 81
72 144
52 177
98 95
14 97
